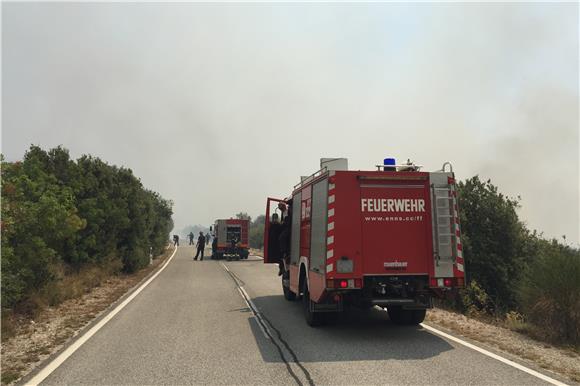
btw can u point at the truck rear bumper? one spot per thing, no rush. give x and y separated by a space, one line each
407 304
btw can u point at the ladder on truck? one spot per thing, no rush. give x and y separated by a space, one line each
445 237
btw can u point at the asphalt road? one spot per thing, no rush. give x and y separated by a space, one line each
191 325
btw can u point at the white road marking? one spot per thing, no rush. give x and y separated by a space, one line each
46 371
494 356
261 323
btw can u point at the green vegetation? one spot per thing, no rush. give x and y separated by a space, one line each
61 217
257 232
549 292
513 273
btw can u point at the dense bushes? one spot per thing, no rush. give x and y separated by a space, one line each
511 270
550 292
61 216
491 239
257 232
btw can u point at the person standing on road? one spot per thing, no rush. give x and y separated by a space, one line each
190 235
207 239
200 246
175 240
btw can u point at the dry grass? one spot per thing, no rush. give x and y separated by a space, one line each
257 252
564 361
28 340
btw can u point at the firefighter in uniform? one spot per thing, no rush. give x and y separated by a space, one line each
274 235
200 246
284 241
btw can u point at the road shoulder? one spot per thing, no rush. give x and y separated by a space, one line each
556 362
39 341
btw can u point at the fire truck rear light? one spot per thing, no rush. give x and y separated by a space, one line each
357 283
343 284
329 283
448 282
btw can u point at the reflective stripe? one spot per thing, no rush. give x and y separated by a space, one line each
329 268
331 199
331 226
330 253
330 212
330 240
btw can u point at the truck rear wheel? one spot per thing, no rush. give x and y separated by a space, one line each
406 317
313 319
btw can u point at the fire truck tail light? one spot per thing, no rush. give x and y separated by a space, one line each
343 283
446 282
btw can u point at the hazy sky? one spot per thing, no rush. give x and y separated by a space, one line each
217 106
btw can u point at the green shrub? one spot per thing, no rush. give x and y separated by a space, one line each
492 237
476 302
61 215
550 294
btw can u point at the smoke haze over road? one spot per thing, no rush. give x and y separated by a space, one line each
217 106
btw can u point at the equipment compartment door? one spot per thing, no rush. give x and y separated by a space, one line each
396 227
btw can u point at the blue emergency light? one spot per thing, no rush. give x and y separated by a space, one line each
389 164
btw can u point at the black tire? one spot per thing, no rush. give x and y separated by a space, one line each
288 294
313 319
406 317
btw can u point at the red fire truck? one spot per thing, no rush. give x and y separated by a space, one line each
387 238
230 239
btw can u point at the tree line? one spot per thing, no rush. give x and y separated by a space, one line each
60 216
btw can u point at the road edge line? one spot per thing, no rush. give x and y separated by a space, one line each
494 356
63 356
250 304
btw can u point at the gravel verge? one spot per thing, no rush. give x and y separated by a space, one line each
560 360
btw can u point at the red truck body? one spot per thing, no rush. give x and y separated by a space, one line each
384 238
226 230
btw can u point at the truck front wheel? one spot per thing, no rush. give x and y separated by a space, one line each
406 317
